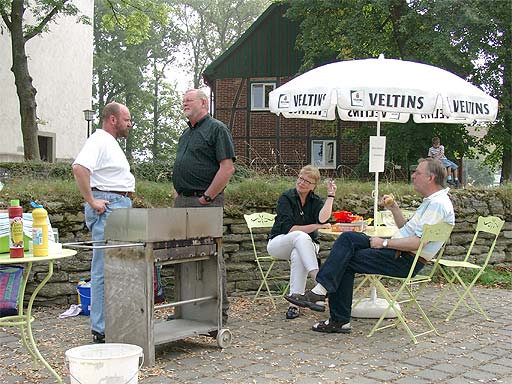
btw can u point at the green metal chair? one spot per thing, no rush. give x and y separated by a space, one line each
265 262
451 269
409 286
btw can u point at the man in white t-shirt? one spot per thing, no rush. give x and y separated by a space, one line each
103 176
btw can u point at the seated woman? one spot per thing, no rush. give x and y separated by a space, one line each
300 213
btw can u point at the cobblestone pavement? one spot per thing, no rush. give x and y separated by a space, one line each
267 348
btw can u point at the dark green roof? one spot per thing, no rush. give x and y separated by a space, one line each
267 48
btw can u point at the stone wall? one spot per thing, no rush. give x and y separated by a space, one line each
242 272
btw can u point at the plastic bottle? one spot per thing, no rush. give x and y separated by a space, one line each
82 281
39 230
15 229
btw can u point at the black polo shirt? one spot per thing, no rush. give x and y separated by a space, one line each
289 213
200 150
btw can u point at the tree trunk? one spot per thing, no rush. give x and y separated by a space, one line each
156 114
506 107
129 140
24 88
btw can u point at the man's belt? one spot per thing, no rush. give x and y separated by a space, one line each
191 193
122 193
413 255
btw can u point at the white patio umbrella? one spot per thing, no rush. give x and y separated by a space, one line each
385 90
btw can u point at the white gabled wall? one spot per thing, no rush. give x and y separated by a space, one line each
60 63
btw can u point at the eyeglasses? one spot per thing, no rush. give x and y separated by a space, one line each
307 182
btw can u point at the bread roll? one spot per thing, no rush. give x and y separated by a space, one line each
389 200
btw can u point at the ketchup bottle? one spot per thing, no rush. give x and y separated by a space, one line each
15 229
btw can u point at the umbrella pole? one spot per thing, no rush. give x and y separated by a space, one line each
376 190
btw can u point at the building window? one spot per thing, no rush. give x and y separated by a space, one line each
259 96
323 153
46 141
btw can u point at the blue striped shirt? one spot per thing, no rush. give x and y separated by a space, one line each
435 208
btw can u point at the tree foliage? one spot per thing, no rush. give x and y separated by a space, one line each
134 44
209 27
469 38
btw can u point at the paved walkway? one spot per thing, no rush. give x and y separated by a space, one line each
268 349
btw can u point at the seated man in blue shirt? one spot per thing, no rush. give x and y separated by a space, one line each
355 252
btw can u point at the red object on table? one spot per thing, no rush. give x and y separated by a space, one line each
345 217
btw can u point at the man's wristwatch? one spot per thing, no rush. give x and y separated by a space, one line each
207 198
385 243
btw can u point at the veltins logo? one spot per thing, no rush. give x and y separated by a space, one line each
284 101
357 98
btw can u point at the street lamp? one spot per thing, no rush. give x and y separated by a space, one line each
88 115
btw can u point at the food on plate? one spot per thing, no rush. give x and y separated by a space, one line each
355 226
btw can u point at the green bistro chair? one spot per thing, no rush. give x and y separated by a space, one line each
404 298
451 269
264 262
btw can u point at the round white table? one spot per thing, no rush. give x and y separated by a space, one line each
23 320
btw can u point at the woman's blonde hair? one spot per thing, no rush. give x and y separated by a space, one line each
312 172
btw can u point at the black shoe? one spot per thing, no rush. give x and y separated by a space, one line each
292 313
330 326
308 300
98 338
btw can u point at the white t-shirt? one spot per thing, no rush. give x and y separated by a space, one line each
106 161
437 153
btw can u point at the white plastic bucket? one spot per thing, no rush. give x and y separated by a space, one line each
108 363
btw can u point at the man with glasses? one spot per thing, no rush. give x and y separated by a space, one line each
203 165
355 252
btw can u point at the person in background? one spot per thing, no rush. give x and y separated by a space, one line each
204 165
104 179
436 151
355 252
300 213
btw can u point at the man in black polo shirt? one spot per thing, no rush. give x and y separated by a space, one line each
204 163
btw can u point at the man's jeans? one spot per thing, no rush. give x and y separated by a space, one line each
96 225
351 254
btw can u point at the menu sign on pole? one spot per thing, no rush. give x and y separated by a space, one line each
377 153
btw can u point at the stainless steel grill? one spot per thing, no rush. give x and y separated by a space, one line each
139 239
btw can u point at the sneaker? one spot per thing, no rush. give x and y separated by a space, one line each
308 300
98 338
330 326
292 313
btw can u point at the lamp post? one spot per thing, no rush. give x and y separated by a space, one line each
88 115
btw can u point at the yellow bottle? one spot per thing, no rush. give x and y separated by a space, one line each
40 231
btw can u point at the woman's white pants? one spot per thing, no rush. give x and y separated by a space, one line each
298 247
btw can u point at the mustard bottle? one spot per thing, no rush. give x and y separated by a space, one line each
39 230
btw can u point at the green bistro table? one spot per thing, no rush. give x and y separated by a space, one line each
24 318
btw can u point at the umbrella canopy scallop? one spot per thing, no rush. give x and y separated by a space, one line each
358 89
